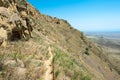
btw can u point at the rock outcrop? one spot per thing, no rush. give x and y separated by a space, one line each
14 19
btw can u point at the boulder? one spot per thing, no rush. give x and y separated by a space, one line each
14 17
3 37
4 12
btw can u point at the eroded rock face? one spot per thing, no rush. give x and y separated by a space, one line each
14 20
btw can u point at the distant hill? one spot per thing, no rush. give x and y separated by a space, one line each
108 35
39 47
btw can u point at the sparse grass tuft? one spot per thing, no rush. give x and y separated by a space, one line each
15 55
75 76
86 78
57 73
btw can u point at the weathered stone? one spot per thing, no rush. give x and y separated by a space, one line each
14 17
10 63
3 37
4 12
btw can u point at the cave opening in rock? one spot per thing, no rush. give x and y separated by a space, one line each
16 35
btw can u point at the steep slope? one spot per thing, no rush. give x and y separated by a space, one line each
48 49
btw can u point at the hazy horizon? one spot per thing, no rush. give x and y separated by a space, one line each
85 15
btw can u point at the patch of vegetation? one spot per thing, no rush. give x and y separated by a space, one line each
87 51
90 46
11 55
86 78
57 73
2 56
75 76
1 66
118 72
15 55
63 60
58 54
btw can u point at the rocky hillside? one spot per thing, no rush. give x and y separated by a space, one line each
34 46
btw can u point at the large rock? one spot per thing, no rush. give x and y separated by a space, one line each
3 37
14 17
4 12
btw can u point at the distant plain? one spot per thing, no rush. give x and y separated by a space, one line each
110 43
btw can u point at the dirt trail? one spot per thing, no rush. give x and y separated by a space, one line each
49 67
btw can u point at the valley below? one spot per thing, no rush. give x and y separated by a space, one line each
110 43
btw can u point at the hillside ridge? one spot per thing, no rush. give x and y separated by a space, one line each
34 46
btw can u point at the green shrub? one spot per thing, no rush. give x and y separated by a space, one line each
87 51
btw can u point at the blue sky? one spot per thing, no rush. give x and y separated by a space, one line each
85 15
